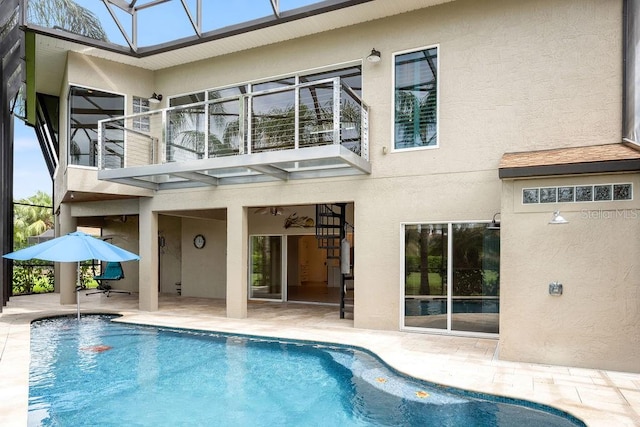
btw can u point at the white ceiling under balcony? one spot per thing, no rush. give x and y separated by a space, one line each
53 45
304 163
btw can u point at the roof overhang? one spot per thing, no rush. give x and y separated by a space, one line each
595 159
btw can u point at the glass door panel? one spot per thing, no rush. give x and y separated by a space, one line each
265 275
475 269
425 289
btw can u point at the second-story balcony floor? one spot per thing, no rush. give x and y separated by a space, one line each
311 162
309 130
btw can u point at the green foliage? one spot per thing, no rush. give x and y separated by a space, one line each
33 276
413 263
413 284
31 216
67 15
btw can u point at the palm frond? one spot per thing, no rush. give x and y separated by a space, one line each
66 15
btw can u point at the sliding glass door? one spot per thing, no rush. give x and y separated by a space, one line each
266 267
451 277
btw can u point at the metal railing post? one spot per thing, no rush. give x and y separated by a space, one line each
242 111
336 110
249 125
206 129
162 146
101 134
296 112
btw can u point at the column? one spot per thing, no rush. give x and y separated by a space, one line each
237 258
67 272
148 251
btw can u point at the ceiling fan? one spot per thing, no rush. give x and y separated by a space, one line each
271 210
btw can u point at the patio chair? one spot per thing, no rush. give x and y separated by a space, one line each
113 271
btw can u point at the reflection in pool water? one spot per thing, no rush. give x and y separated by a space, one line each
97 372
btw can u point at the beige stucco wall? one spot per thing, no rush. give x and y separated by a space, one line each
596 321
170 231
204 270
509 75
513 76
96 73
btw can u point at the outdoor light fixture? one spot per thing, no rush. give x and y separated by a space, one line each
155 98
374 56
495 225
558 219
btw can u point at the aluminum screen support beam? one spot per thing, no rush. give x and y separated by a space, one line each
197 23
11 74
275 5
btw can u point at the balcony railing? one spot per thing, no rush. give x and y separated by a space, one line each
276 130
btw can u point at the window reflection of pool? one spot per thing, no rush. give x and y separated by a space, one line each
97 372
424 307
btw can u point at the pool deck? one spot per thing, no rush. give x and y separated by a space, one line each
599 398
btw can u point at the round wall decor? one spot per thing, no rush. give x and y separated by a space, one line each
199 241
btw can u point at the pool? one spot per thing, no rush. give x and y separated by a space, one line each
98 372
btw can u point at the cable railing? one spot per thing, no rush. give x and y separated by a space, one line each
294 117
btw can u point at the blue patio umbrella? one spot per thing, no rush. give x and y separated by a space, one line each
74 247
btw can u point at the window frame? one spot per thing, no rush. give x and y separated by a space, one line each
450 260
394 55
69 107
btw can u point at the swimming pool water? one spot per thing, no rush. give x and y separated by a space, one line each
95 372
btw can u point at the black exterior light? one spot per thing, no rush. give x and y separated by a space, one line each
155 98
495 225
374 56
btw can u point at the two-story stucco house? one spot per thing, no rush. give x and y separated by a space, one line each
402 160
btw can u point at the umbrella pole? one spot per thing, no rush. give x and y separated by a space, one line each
78 287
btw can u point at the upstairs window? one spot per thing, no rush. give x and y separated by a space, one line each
87 107
190 98
416 99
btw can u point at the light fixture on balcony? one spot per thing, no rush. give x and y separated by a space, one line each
374 56
155 98
558 219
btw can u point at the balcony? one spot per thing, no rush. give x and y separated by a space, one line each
310 130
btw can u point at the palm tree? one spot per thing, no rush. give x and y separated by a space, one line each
416 117
66 15
31 216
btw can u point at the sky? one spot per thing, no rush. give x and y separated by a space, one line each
30 173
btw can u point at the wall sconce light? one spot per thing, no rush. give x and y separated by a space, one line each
558 219
374 56
155 98
495 225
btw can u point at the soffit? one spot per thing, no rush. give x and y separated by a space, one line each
52 48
